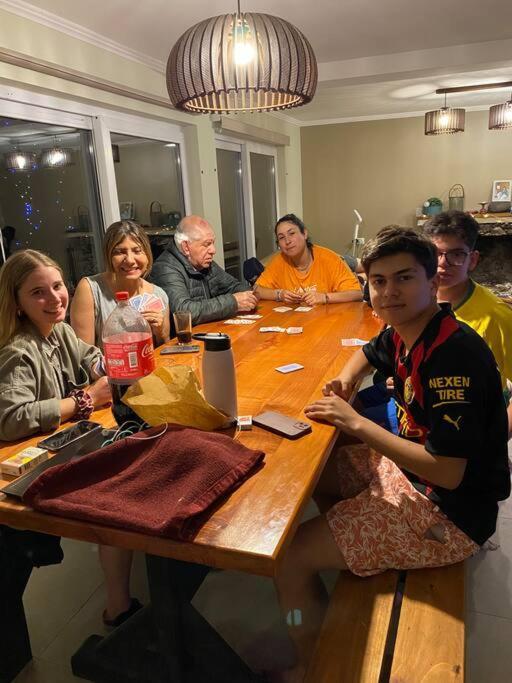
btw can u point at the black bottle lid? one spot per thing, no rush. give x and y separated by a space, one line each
214 341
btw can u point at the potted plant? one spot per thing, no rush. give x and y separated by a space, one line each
433 206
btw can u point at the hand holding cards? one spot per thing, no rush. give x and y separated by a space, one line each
147 302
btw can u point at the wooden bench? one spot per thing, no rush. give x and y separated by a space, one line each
395 627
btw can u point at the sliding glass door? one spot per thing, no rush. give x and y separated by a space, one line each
229 174
49 194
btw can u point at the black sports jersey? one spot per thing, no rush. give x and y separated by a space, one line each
449 398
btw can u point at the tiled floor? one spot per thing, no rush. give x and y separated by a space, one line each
64 604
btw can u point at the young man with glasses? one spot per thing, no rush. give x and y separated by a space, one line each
454 234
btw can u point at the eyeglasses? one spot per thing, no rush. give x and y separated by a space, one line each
455 257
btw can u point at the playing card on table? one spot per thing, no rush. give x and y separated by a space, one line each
353 342
282 309
238 321
294 330
251 316
291 367
136 301
271 329
304 309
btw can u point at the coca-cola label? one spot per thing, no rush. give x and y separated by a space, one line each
129 360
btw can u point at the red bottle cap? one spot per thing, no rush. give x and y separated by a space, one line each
122 296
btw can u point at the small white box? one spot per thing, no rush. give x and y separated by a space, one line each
244 422
24 461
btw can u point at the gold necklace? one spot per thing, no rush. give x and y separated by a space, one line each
302 269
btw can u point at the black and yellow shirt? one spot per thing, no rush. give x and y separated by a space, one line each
449 398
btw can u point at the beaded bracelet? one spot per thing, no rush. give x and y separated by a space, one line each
278 295
84 404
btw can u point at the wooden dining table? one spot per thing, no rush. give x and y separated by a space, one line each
250 529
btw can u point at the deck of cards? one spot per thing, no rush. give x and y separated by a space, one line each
147 302
272 329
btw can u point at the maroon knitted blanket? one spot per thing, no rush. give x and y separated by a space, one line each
160 486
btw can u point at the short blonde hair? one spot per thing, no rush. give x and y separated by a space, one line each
117 232
13 274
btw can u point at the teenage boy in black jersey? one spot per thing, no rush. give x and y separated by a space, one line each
429 496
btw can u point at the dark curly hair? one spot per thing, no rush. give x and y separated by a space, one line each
394 240
455 223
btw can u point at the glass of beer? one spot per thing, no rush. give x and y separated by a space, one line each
183 326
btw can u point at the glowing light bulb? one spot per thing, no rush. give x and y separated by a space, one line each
56 157
21 160
243 53
444 119
508 113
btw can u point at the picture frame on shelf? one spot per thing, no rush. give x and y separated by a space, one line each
502 191
127 211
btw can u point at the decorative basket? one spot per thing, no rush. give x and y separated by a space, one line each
155 214
456 197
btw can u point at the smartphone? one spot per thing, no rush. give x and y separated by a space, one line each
57 441
185 348
289 427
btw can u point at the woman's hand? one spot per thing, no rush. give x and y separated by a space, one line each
336 411
156 322
100 392
313 298
288 297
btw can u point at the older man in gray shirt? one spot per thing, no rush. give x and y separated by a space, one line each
193 281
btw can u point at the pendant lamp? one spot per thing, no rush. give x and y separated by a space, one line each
56 157
444 120
500 116
244 61
20 161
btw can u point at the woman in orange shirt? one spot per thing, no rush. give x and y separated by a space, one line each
303 272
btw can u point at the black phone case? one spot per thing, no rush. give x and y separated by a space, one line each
289 427
49 440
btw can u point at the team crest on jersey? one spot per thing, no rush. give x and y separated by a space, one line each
408 391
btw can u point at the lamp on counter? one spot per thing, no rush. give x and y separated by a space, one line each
500 116
238 62
444 120
20 161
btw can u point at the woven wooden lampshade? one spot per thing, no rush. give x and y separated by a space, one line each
500 116
20 161
241 62
56 157
444 120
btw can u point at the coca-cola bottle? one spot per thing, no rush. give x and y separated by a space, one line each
129 354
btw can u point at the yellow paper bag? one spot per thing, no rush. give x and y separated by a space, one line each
173 394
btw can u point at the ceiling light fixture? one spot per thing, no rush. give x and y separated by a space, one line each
241 62
20 161
444 120
500 116
56 157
